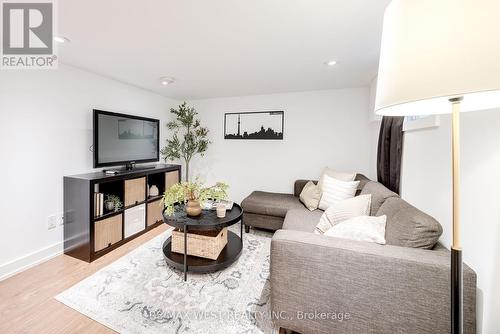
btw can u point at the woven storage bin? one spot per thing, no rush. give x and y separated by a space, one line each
206 244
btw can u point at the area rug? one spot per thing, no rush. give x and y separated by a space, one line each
140 293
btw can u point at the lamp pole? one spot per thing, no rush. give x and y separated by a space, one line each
456 247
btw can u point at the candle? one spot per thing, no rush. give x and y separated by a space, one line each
221 210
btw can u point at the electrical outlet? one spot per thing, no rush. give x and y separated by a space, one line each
60 219
51 222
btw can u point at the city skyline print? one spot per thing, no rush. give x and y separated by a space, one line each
254 125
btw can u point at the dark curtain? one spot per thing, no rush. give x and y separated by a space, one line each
390 149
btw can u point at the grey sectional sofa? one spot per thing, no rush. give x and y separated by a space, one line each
400 287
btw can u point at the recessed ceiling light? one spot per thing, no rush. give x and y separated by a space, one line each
330 63
166 81
61 39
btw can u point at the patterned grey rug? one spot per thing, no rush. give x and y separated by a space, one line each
140 293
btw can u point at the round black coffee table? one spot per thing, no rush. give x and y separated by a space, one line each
207 221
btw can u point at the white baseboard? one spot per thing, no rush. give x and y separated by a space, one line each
30 260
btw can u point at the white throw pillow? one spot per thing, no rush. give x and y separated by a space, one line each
343 210
335 190
336 175
363 228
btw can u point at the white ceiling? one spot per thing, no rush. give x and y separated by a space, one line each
218 48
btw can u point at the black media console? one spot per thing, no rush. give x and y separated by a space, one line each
89 232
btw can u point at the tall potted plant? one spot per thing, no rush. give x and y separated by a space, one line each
189 137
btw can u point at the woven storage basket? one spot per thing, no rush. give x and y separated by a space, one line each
206 244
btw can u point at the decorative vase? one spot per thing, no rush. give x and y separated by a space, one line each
193 208
153 191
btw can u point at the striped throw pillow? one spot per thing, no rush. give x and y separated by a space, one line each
335 190
344 210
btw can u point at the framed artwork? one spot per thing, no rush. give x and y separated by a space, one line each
413 123
254 125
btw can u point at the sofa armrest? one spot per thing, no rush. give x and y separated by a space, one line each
299 185
382 288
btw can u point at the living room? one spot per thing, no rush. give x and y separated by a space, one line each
337 95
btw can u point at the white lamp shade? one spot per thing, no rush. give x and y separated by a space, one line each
433 50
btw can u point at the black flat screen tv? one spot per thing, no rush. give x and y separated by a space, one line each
121 139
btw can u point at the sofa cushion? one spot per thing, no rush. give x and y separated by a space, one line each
271 204
362 228
299 184
344 210
335 190
379 195
310 196
266 222
302 220
363 180
407 226
336 175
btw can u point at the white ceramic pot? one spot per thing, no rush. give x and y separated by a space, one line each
221 210
153 191
110 205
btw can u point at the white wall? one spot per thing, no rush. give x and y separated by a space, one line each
426 183
45 133
322 128
375 121
46 128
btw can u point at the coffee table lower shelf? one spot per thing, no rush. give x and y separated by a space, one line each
229 254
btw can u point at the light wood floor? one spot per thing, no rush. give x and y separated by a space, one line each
27 303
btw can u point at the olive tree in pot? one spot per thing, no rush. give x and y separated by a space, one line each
189 137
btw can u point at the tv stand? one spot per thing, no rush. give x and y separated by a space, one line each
91 229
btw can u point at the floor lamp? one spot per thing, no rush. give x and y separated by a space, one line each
437 57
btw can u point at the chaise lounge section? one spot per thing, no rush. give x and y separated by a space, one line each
267 210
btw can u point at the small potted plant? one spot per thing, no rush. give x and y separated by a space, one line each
113 203
193 194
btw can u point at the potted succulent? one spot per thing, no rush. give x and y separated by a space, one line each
113 203
193 194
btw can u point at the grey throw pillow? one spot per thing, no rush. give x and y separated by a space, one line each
407 226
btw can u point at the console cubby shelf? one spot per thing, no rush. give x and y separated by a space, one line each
154 198
87 236
107 215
